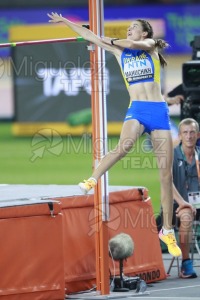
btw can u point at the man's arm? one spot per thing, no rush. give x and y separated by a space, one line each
174 100
176 195
181 202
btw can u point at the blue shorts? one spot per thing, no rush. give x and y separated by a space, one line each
153 115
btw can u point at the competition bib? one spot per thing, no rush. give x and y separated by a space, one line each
138 67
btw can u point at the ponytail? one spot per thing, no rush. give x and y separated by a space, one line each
161 44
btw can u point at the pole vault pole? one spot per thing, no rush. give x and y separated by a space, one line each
99 138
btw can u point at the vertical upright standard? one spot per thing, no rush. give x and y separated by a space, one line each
99 139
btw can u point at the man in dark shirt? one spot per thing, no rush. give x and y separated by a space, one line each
186 176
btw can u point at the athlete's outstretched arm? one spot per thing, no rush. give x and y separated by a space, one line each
82 31
147 44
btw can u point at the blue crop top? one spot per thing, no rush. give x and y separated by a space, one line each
139 66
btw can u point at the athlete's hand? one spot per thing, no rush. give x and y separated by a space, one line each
55 18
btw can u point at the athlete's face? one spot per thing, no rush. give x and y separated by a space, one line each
135 31
188 135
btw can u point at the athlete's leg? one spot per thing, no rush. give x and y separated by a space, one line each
131 130
163 149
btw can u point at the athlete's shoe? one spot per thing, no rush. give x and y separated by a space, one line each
187 270
170 240
87 185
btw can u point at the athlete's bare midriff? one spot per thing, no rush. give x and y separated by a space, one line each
147 91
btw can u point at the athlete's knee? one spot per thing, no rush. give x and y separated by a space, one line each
124 147
127 148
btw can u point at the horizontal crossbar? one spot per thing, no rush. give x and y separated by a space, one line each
39 42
